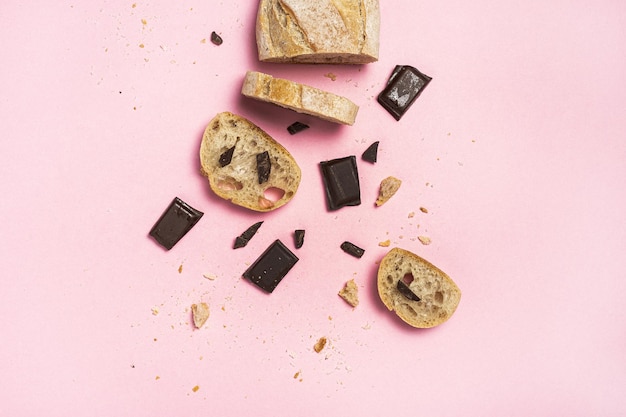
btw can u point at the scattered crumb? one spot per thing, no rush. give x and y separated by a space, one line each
144 22
296 375
155 311
411 215
180 269
424 239
350 293
388 188
200 314
141 45
385 243
330 75
195 389
209 277
157 378
319 345
423 209
134 5
367 326
203 40
330 317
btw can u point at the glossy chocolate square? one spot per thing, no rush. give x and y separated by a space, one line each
341 182
174 223
404 86
271 267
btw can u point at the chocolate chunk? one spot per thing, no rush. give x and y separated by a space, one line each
216 39
352 249
296 127
371 153
271 267
404 86
263 166
299 238
227 156
341 182
406 291
174 223
243 239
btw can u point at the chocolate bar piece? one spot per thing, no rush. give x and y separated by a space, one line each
243 239
404 86
406 291
352 249
296 127
216 39
271 267
299 238
341 182
227 156
263 166
371 153
174 223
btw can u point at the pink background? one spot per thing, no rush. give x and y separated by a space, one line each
517 149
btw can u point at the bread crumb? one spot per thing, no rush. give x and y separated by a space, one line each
319 345
157 378
296 375
180 269
384 243
423 209
388 188
330 75
196 388
141 45
200 314
203 40
144 22
209 277
424 239
350 293
155 311
411 215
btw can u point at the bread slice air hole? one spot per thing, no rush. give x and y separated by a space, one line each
229 184
273 194
408 278
439 297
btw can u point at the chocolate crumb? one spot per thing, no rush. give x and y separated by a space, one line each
216 39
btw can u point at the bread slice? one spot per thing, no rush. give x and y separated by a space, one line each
318 31
439 296
299 97
238 180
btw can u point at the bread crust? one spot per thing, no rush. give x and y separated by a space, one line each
238 180
439 295
299 97
318 32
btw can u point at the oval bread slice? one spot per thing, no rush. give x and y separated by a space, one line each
439 295
238 181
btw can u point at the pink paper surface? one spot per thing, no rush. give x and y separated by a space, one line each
516 148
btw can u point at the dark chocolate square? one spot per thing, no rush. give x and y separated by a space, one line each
404 86
296 127
352 249
341 182
174 223
271 267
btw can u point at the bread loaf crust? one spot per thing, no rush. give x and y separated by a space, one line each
299 97
439 295
319 31
238 180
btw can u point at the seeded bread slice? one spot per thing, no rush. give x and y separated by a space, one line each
299 97
438 295
318 31
239 181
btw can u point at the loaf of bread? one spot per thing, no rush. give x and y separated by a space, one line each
299 97
246 166
420 293
318 31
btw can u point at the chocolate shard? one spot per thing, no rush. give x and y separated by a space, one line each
216 39
263 166
405 84
174 223
371 153
299 238
352 249
341 182
227 156
271 267
296 127
243 239
406 291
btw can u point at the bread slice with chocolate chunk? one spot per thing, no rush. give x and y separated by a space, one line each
299 97
318 31
247 166
420 293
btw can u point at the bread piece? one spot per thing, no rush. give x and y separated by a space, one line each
238 181
350 293
438 293
299 97
318 31
388 188
200 313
